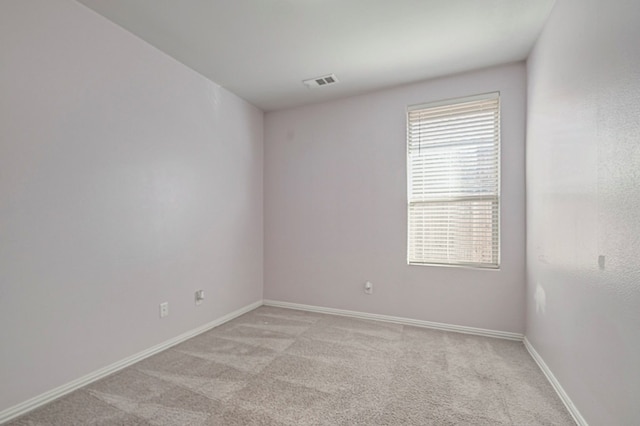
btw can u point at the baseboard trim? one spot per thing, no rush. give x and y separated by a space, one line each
398 320
573 410
33 403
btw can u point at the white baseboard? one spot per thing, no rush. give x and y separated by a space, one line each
33 403
580 421
577 417
399 320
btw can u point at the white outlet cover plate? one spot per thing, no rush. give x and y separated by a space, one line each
164 309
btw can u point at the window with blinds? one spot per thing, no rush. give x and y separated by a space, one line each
454 182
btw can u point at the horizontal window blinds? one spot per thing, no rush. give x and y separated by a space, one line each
454 182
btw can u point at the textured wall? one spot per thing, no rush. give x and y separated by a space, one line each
583 201
336 214
126 180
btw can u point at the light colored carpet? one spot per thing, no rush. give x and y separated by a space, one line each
277 366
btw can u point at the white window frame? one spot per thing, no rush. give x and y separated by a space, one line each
448 197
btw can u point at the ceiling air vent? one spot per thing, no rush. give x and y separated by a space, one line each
325 80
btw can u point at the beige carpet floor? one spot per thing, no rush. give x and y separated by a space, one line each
277 366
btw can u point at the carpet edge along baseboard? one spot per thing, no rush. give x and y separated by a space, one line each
398 320
46 397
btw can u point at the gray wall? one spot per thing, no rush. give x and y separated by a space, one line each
336 214
126 180
583 201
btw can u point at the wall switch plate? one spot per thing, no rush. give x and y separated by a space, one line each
199 296
368 287
164 309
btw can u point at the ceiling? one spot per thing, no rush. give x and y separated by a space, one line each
261 50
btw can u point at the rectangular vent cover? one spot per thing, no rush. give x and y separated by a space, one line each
325 80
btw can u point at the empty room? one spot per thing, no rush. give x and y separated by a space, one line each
319 212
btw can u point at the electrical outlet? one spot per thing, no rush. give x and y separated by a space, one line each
368 287
199 296
164 309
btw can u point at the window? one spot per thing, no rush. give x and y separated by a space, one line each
453 150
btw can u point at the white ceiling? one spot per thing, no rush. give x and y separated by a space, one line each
262 49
